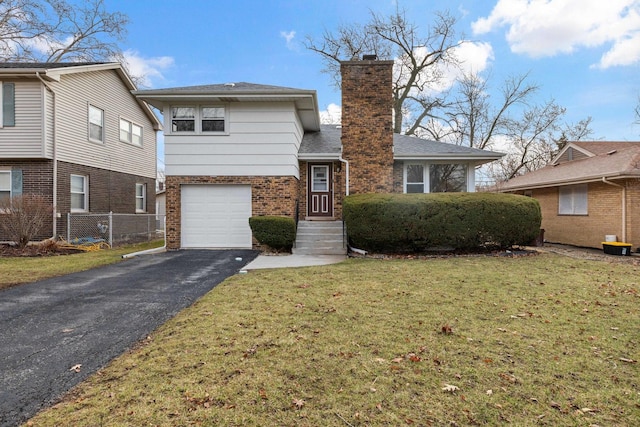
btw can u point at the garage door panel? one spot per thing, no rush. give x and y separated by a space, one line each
216 216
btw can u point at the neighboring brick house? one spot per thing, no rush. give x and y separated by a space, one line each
75 134
590 190
239 149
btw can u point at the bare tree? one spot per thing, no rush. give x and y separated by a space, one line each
419 60
24 217
57 30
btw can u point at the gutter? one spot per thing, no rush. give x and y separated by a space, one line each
624 206
55 157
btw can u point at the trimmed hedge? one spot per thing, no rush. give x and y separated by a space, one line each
423 222
277 232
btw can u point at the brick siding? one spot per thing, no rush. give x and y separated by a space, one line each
109 191
269 196
604 215
367 125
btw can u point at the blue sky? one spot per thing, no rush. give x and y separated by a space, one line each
584 54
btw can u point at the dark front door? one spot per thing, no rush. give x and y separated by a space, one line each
320 201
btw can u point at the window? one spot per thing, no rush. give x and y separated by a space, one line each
79 193
141 197
447 178
183 119
5 185
212 119
8 104
572 200
96 124
130 132
415 179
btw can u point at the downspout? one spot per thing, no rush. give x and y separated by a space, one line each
55 158
624 206
346 172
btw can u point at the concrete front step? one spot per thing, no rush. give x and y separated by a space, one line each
319 238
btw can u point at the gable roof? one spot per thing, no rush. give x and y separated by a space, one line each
53 71
608 160
305 100
326 144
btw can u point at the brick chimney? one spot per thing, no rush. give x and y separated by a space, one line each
367 124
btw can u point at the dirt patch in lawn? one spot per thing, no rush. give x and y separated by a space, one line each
36 250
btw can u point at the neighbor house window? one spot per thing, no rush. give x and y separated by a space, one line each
183 119
141 197
8 104
414 178
572 200
96 124
79 193
130 132
212 119
447 178
5 185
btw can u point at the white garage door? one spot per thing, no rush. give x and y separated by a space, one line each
216 216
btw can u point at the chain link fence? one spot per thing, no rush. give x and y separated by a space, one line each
115 229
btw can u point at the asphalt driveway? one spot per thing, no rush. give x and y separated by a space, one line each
84 320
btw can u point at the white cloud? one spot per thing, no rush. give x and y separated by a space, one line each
541 28
147 70
289 37
332 115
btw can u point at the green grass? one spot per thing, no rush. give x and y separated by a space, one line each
18 270
541 340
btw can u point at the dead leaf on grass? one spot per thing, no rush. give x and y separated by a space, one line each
624 359
298 403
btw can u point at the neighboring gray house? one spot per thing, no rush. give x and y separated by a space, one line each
74 133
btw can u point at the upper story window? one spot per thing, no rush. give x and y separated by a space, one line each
8 105
183 119
130 132
212 119
199 119
96 124
79 193
5 185
141 197
572 200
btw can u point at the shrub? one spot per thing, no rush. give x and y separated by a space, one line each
277 232
24 217
420 222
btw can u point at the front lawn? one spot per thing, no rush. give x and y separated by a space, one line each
18 270
539 340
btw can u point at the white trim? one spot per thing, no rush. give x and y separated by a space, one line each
143 197
86 194
99 141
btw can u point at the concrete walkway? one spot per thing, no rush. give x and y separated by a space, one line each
288 261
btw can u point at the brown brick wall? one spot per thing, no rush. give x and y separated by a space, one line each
604 216
37 178
398 177
108 191
269 196
367 125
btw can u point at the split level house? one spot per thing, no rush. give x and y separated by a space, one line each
237 150
588 192
74 134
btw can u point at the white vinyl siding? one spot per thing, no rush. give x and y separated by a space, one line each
27 138
263 139
573 200
105 90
